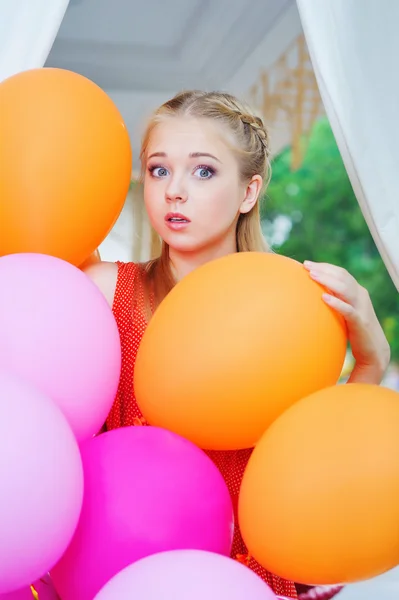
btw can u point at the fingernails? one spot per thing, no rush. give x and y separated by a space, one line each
314 275
327 297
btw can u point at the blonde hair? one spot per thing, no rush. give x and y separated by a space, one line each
251 147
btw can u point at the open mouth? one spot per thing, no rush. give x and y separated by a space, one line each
176 218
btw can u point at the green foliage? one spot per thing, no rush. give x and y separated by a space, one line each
327 224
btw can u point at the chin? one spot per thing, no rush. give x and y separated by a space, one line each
184 243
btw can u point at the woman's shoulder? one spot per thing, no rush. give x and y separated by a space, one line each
112 277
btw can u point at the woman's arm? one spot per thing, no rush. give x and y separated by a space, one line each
369 345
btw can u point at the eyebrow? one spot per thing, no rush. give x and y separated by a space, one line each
191 155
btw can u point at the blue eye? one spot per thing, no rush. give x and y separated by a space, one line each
204 172
158 171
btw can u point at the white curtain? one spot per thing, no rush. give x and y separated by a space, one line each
27 31
354 47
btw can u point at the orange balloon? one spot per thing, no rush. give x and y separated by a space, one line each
233 345
65 161
319 501
93 259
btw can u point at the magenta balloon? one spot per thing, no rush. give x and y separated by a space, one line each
57 330
186 574
45 589
146 490
41 484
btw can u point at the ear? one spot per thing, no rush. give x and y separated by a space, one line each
252 192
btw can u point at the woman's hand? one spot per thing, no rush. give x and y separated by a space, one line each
370 347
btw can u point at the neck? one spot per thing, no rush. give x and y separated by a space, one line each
184 262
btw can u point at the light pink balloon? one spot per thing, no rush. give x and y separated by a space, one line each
57 331
186 574
146 490
41 484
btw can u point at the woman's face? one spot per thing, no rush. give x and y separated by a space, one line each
192 188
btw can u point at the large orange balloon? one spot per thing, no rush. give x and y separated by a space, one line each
319 501
234 344
65 161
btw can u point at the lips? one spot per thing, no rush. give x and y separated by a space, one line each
176 218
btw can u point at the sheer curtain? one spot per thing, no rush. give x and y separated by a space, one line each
27 32
354 47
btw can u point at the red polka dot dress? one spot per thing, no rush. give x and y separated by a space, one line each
128 309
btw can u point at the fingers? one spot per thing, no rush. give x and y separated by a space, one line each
343 308
334 285
338 281
326 268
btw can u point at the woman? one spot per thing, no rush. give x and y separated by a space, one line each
205 161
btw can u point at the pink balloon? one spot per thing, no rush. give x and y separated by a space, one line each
146 490
41 484
57 330
186 574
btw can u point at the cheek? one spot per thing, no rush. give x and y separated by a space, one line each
222 205
151 200
152 212
148 204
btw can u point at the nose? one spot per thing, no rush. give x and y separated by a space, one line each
176 192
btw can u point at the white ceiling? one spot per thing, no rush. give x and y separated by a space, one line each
157 45
143 52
